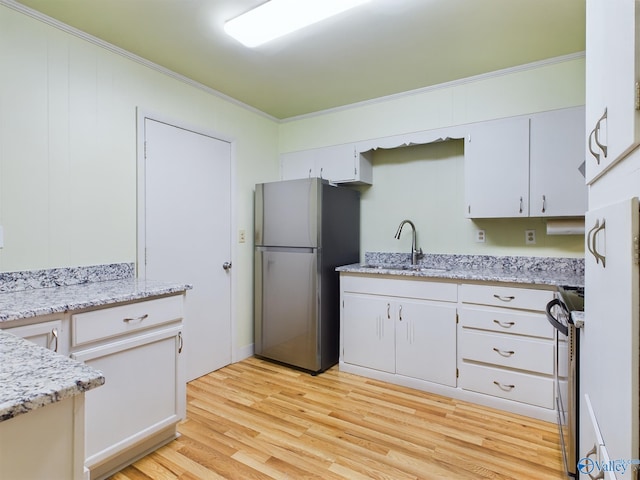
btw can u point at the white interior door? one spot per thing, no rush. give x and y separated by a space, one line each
187 234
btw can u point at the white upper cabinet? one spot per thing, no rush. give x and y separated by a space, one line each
612 75
496 169
526 166
556 185
337 163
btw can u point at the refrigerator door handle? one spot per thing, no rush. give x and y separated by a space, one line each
286 249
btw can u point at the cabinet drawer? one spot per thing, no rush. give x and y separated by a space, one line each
417 288
111 322
507 351
506 321
511 297
516 386
45 334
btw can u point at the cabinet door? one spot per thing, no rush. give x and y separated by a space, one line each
556 186
294 165
425 342
610 338
46 334
612 73
368 332
496 169
142 394
336 163
590 443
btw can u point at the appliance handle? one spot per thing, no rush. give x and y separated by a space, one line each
553 320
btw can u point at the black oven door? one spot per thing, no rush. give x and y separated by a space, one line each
559 316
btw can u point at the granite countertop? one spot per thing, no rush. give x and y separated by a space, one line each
524 270
43 301
32 376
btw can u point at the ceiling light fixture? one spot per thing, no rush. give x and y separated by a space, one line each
276 18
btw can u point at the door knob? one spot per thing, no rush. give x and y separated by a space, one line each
226 265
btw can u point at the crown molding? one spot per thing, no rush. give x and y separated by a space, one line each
128 55
165 71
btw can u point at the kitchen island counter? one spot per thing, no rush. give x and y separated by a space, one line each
32 377
43 301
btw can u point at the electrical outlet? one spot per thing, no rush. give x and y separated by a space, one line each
530 237
481 237
242 236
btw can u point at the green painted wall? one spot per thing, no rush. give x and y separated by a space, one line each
68 152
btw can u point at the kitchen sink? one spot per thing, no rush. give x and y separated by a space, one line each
414 268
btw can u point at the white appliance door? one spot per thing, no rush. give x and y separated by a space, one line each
290 213
287 327
609 349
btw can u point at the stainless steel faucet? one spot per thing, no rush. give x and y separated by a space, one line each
415 254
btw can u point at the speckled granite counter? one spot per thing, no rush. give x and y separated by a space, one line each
525 270
43 301
33 377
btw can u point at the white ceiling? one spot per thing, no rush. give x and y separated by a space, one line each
382 48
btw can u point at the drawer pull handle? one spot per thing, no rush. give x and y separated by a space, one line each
506 388
181 340
504 353
54 334
504 299
135 319
504 324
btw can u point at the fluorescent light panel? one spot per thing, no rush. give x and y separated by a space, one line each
280 17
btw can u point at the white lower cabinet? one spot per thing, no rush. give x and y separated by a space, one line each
368 331
47 334
485 343
411 337
425 342
138 348
45 443
595 461
507 352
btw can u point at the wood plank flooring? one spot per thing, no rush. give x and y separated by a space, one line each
258 420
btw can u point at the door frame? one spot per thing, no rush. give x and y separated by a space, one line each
141 115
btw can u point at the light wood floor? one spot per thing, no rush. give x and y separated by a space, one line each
259 420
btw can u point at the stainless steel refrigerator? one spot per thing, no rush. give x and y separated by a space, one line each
304 229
